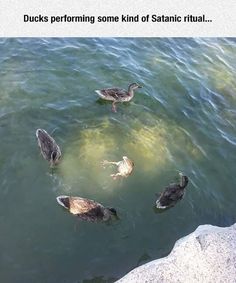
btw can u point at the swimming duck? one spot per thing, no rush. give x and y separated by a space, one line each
118 94
48 147
125 167
172 194
86 209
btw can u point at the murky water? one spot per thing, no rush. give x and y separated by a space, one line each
182 119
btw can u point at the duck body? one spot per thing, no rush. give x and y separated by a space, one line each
115 94
118 94
86 209
125 167
48 147
172 194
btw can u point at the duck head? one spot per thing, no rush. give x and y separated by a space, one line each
108 213
55 157
183 180
134 86
112 211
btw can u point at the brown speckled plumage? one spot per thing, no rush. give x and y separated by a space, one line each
48 147
86 209
118 94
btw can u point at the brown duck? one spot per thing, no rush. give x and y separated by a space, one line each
172 193
86 209
48 147
118 94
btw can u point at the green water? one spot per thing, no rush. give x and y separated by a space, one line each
182 119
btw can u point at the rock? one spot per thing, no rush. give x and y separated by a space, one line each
206 255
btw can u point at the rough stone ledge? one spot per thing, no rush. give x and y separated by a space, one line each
206 255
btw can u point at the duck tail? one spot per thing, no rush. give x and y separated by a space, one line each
159 206
64 201
38 132
184 181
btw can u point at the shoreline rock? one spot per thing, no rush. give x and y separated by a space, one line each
206 255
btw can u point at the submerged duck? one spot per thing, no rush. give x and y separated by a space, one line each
172 194
86 209
118 94
48 147
125 167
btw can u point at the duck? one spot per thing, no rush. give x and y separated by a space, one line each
86 209
172 193
118 94
125 167
48 147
